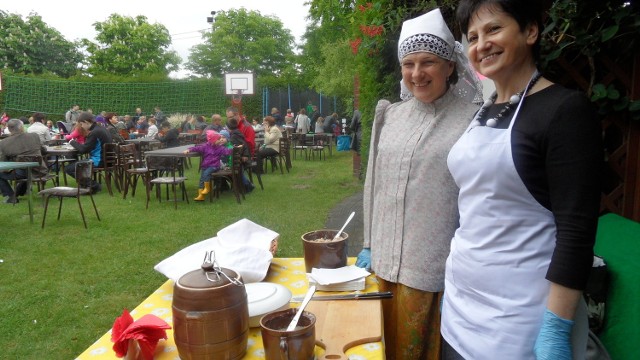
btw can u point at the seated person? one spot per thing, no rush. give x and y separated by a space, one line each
152 131
168 135
142 125
200 124
114 126
78 133
212 152
236 137
271 146
18 143
98 135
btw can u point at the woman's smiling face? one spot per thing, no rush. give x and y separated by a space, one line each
497 45
425 75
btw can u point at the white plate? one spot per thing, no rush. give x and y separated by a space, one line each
263 298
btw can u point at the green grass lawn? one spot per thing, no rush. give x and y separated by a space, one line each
62 287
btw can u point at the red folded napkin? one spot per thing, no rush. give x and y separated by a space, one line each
147 331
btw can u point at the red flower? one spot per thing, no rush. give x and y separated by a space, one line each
355 44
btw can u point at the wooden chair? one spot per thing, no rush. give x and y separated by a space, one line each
299 144
109 168
232 175
41 181
282 158
131 168
167 166
84 172
318 146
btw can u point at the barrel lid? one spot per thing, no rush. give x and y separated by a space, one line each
209 277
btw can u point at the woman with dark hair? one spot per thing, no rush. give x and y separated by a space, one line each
528 172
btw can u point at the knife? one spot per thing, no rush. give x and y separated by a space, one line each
361 296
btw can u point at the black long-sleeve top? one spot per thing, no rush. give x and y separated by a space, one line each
558 153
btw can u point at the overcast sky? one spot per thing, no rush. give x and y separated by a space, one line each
184 19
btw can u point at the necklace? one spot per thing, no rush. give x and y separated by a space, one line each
513 101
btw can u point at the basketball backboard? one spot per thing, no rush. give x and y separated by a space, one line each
238 83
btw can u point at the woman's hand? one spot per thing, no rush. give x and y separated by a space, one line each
554 339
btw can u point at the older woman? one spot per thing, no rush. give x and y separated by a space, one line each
528 172
410 211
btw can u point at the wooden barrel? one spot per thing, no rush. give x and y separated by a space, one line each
210 315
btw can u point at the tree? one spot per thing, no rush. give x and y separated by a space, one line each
128 46
32 47
245 41
334 76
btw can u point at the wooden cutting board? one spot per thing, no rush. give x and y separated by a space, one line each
343 324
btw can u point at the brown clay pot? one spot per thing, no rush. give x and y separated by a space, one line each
279 344
321 254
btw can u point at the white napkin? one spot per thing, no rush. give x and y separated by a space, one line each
242 247
339 275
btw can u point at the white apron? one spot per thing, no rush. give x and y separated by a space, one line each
495 286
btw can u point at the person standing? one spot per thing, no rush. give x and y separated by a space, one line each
18 143
275 113
159 115
528 171
410 211
303 123
71 116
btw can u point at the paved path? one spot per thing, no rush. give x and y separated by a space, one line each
339 214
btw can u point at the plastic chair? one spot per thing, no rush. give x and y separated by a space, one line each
83 171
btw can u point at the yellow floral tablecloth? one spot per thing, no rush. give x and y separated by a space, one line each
286 271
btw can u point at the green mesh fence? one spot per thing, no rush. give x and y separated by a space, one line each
26 95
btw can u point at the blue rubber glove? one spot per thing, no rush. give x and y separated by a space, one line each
364 259
554 339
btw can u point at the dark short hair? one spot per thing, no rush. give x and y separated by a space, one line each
232 123
524 12
38 117
86 117
165 124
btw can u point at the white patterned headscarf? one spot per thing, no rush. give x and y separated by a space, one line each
429 33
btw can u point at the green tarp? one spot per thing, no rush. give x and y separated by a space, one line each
618 242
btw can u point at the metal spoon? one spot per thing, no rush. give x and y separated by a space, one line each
344 226
307 298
